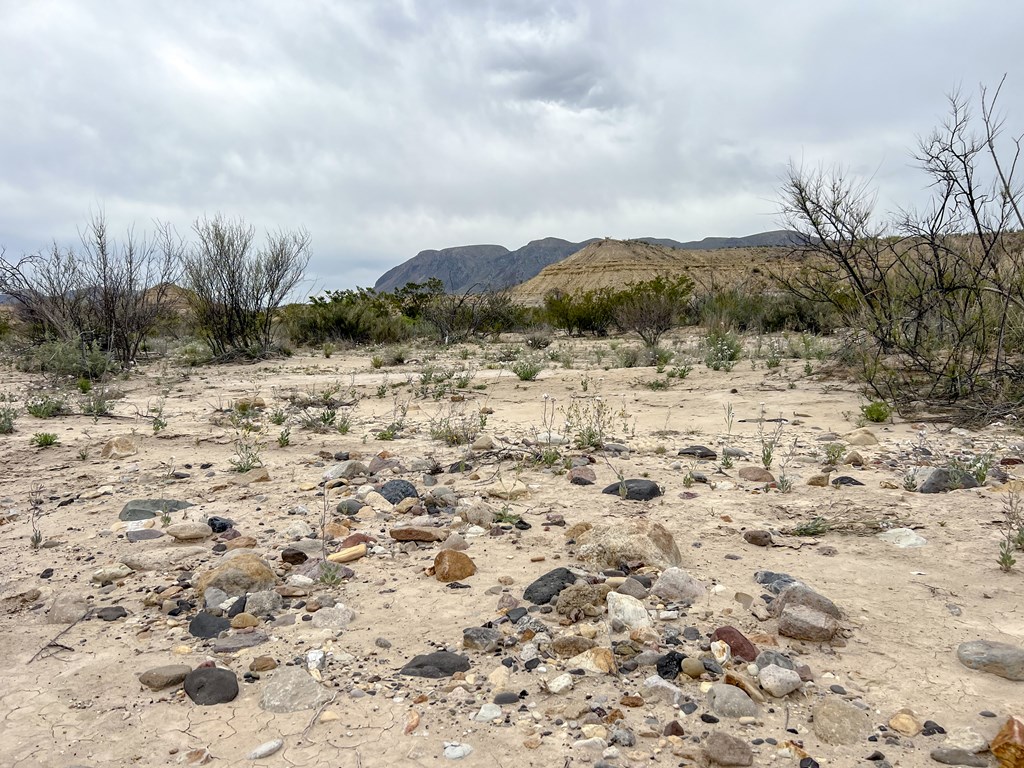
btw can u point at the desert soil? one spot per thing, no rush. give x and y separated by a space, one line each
73 698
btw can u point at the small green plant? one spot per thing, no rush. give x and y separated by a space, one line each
344 422
328 349
330 574
768 440
165 519
84 385
159 424
321 421
1013 531
8 413
506 515
44 439
834 453
680 371
784 483
382 390
83 454
247 454
876 412
527 369
284 438
45 406
376 362
688 480
773 355
278 417
815 527
722 349
910 481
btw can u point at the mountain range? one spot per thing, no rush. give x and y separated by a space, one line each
475 268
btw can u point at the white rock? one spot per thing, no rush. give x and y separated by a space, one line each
779 681
663 689
487 713
627 610
110 573
266 749
560 684
903 538
453 750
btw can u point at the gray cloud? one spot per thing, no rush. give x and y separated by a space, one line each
388 127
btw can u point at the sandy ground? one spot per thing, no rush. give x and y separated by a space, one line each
905 610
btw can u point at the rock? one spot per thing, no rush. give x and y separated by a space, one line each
905 723
758 538
677 585
699 452
599 661
418 533
145 509
1008 745
452 565
262 664
348 554
238 576
903 538
861 437
798 594
336 617
659 688
633 588
722 749
1000 659
779 681
634 489
398 490
266 749
669 665
839 722
346 470
756 475
454 750
738 644
627 611
581 476
484 639
692 667
349 507
293 556
954 756
548 586
263 603
143 534
244 621
206 625
845 480
487 713
818 480
291 689
189 531
111 613
455 541
238 641
159 678
111 573
120 447
257 475
730 701
942 480
571 645
559 683
211 685
435 665
483 443
161 559
966 738
802 623
635 541
219 524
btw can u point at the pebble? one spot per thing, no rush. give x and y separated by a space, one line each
266 749
454 750
487 713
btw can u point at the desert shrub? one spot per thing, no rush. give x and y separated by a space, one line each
588 312
876 411
46 406
8 413
67 358
721 348
527 369
652 307
44 439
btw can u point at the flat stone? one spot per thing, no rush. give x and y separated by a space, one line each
1002 659
189 531
159 678
730 701
336 617
292 689
839 722
144 509
955 756
802 623
902 538
111 573
398 490
699 452
722 749
207 686
435 665
634 489
738 644
238 641
548 586
798 594
111 613
677 585
756 475
206 625
143 534
418 533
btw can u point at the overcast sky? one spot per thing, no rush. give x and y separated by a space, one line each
385 128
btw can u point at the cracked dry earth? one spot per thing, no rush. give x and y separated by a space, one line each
904 611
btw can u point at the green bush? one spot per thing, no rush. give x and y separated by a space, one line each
44 439
876 411
721 349
527 369
45 406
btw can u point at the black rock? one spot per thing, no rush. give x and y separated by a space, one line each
548 586
689 707
809 762
219 524
210 685
146 534
349 506
668 666
459 466
774 582
435 665
515 614
522 525
146 509
987 713
237 607
206 625
699 452
46 573
845 480
341 456
634 489
397 490
294 556
837 689
506 697
708 718
712 666
875 756
111 613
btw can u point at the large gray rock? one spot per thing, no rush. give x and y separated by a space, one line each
839 722
723 749
677 584
802 623
798 594
159 678
627 611
730 701
941 480
779 681
263 603
346 470
146 509
484 639
66 608
291 689
337 617
211 685
1000 659
607 546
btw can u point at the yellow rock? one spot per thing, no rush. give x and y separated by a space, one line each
329 716
348 554
905 723
181 650
244 621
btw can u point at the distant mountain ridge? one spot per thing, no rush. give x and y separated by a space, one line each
476 268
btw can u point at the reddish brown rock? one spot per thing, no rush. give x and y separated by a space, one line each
418 533
756 475
452 565
357 538
581 476
740 646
